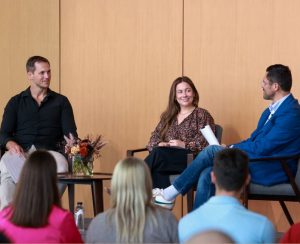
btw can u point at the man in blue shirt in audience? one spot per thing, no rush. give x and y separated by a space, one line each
223 212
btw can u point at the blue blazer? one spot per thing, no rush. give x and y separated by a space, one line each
280 136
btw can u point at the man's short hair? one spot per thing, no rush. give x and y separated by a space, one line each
230 169
281 75
30 64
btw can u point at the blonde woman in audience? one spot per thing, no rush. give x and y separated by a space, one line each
35 214
132 218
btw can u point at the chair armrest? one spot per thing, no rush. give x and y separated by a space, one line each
283 161
190 158
131 152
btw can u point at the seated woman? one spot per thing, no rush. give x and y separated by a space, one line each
35 214
132 218
177 133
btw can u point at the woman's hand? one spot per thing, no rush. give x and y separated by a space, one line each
164 144
177 143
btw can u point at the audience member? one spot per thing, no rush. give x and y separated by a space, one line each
292 235
37 116
132 218
210 236
35 215
224 212
177 133
3 238
277 133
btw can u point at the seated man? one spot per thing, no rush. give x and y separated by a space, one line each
37 116
277 133
224 212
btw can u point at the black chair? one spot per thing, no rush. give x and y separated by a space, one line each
281 192
190 158
2 151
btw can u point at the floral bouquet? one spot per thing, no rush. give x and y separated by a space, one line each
82 152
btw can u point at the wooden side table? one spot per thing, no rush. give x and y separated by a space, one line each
96 182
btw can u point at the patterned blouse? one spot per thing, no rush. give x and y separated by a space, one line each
187 131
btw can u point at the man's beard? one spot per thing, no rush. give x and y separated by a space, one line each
268 96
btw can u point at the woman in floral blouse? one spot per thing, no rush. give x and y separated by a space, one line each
177 133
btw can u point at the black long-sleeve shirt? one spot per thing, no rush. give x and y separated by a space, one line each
27 123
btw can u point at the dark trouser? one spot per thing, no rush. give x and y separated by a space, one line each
166 161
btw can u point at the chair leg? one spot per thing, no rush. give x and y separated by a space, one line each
182 207
190 200
245 196
286 212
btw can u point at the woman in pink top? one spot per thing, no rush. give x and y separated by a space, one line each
35 214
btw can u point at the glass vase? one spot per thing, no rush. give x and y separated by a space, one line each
80 167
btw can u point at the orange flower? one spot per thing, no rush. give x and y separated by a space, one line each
83 150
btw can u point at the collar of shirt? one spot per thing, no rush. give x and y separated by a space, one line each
219 199
274 106
27 93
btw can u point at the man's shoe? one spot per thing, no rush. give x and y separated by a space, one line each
158 199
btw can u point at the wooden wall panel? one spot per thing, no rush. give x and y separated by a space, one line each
118 61
27 27
227 47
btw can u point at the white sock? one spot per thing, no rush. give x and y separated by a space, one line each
170 193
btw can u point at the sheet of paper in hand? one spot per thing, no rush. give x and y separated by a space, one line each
209 135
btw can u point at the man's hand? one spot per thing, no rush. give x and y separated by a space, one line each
177 143
13 147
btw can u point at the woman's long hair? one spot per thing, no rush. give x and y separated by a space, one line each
36 191
131 194
173 107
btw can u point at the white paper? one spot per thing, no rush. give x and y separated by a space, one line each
209 135
14 163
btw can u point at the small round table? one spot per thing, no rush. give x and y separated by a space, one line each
96 182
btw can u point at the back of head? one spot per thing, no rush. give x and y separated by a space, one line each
36 191
280 74
30 64
210 236
131 193
230 169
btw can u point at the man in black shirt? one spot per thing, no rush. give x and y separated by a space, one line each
37 116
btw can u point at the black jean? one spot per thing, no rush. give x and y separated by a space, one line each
166 161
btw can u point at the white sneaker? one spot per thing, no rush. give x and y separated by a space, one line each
157 191
158 199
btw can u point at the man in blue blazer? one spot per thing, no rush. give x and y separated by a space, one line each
277 133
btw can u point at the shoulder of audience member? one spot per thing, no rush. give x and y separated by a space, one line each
164 214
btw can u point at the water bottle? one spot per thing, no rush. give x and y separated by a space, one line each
79 217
